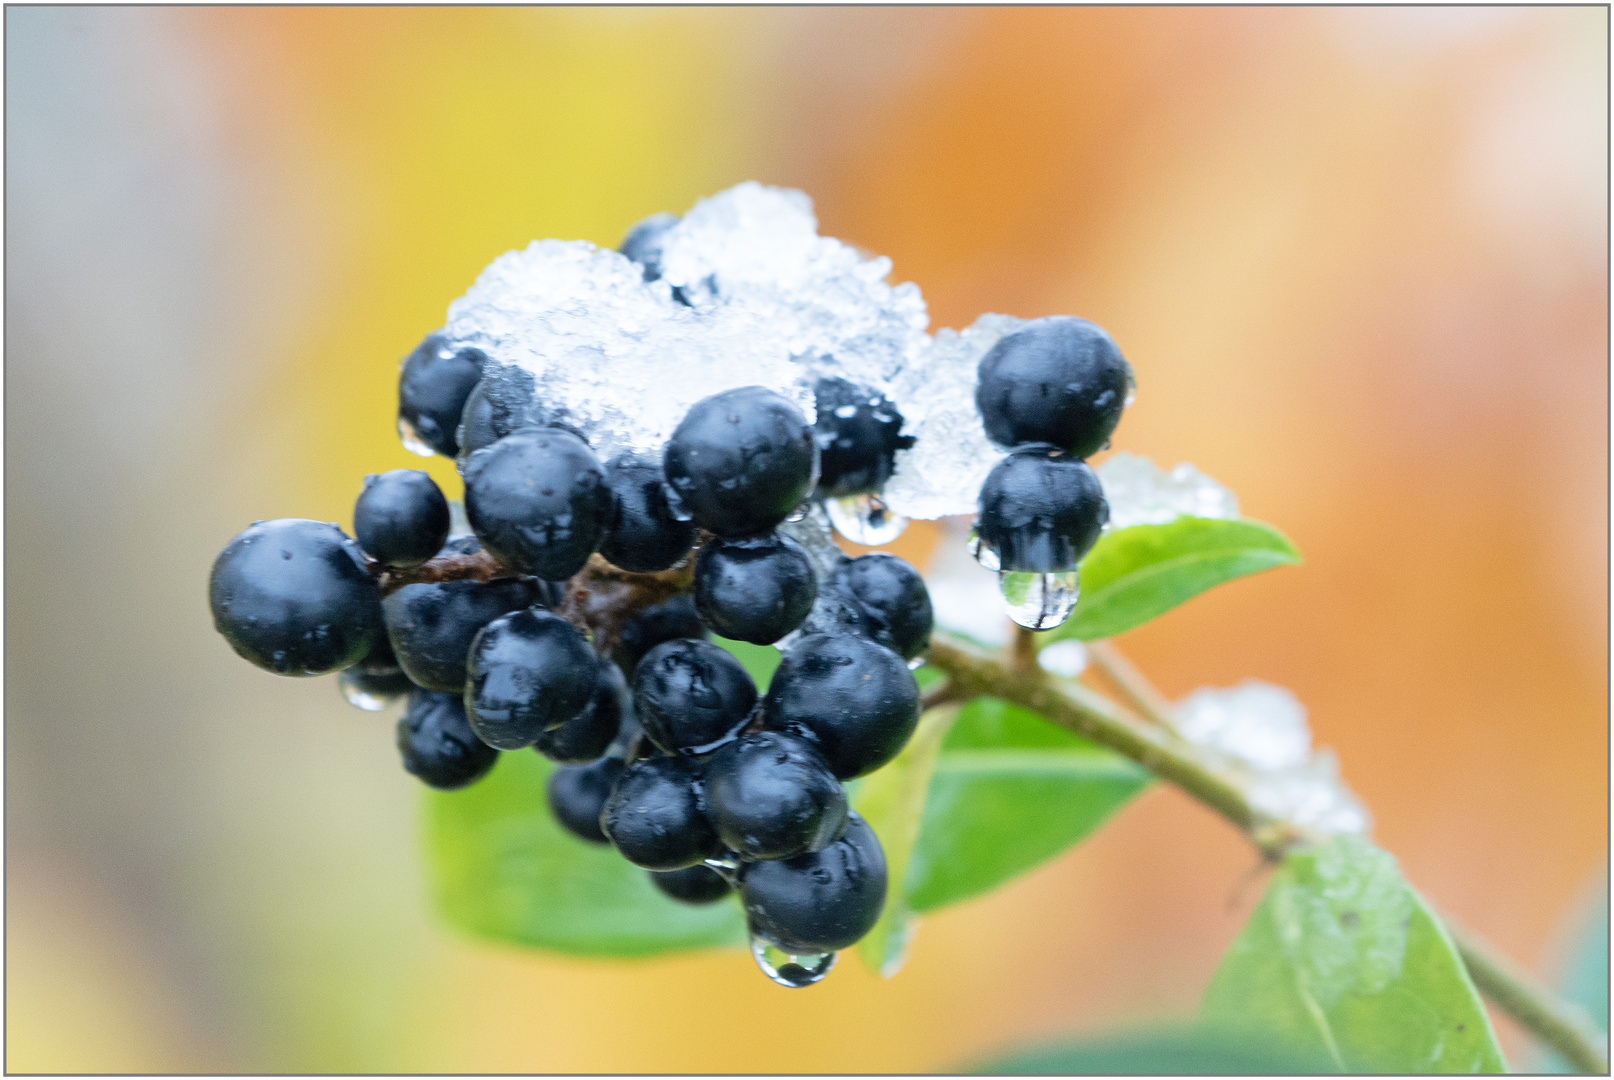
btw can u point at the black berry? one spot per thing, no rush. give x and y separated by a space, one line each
432 388
858 433
675 618
755 589
293 597
587 735
822 901
1041 511
691 696
503 402
654 815
741 461
529 671
771 796
853 699
893 597
538 501
577 795
401 517
697 884
644 240
643 534
438 744
1058 380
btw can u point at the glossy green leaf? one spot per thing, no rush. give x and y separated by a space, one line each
1160 1052
1137 573
1342 958
501 868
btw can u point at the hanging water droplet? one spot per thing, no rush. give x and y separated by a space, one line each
357 696
1039 601
864 519
798 514
794 970
1131 388
458 523
916 663
984 554
728 868
411 441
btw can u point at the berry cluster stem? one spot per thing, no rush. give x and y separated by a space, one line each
1151 743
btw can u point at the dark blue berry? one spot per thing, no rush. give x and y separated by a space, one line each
503 402
401 517
587 735
691 696
741 461
529 671
644 240
577 795
822 901
431 625
643 535
755 589
858 433
675 618
293 597
432 388
538 501
654 815
771 796
1041 511
438 744
697 884
1058 380
852 698
893 597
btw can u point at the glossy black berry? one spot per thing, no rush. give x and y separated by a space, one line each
538 501
1041 511
822 901
691 696
852 698
771 796
755 589
654 815
697 884
529 671
438 744
675 618
431 625
401 517
587 735
858 433
741 461
1058 380
894 598
577 795
504 401
293 597
643 534
432 388
644 240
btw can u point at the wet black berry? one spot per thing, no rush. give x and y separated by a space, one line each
771 796
401 517
432 388
431 625
697 884
643 243
1041 511
503 402
529 671
643 535
675 618
691 696
577 794
755 589
741 461
1058 380
853 699
822 901
438 744
858 433
538 501
893 597
587 735
293 597
654 815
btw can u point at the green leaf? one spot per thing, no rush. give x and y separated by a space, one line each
501 868
1161 1052
1342 958
760 661
1137 573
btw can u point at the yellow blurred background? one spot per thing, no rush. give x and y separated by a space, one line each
1357 257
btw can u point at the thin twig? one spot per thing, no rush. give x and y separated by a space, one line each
1135 688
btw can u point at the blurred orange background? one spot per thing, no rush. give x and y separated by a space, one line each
1357 257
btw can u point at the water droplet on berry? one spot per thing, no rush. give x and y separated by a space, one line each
1131 388
794 970
798 514
916 663
411 441
458 523
1039 601
983 553
864 519
357 696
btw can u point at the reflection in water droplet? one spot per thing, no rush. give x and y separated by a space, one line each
728 868
357 696
1039 601
411 441
798 514
916 663
984 554
1131 388
864 519
794 970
